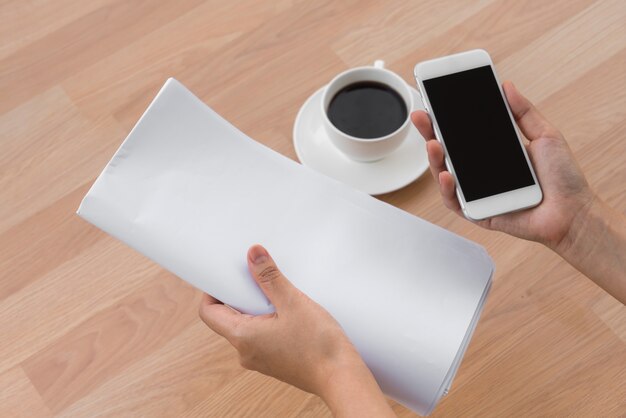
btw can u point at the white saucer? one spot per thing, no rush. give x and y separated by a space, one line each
314 149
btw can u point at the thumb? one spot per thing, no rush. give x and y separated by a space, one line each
271 281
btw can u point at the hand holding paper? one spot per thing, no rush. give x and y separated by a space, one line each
193 193
300 344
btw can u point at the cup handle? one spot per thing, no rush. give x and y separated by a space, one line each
379 64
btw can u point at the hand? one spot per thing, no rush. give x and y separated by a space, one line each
566 193
571 219
300 343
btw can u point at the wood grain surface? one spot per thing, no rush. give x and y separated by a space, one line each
89 328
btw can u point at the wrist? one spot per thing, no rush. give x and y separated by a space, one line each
347 366
585 236
596 245
351 390
587 218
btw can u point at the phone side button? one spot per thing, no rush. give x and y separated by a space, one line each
419 93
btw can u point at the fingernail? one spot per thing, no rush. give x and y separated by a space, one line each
258 254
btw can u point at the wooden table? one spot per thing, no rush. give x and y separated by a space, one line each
88 327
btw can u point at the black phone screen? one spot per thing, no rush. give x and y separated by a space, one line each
479 136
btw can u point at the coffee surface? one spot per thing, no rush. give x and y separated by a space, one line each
367 110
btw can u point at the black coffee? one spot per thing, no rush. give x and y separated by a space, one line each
367 110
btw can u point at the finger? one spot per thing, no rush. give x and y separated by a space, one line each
421 120
448 191
435 158
528 118
219 317
210 300
271 281
441 174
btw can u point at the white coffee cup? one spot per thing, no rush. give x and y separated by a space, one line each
367 149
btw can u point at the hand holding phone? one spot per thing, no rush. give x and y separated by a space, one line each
571 219
565 190
482 147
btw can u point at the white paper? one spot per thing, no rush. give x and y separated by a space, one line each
193 193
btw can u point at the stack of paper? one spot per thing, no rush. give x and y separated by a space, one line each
193 193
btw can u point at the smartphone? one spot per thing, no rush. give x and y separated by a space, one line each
483 148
